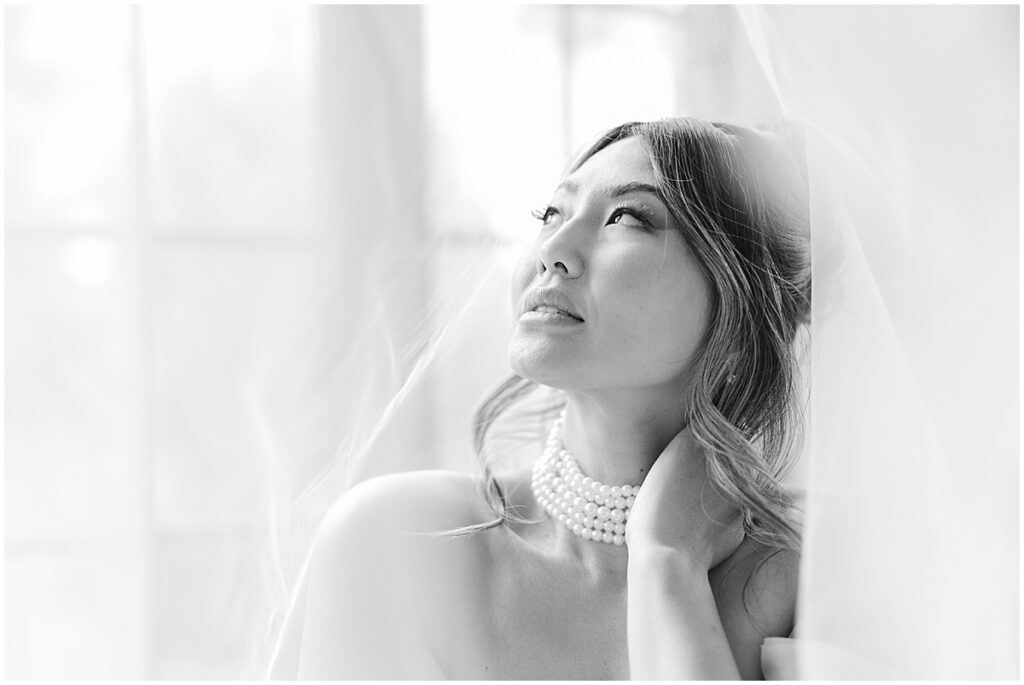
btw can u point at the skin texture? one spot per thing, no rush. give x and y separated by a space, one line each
523 602
531 600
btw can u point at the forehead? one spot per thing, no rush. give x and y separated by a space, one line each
624 161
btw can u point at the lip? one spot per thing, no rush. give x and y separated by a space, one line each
553 305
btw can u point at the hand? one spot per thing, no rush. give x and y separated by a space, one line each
678 507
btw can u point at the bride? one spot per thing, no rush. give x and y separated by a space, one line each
664 298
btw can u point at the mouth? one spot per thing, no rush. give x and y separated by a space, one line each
549 306
546 311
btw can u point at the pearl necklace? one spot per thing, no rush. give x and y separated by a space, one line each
592 510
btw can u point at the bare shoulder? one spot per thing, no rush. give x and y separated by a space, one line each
756 592
382 551
411 502
402 527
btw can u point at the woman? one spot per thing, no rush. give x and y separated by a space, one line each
652 539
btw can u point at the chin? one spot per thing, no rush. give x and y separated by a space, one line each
544 364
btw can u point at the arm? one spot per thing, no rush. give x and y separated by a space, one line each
673 623
701 598
686 623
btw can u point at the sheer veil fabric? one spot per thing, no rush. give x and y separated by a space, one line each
910 470
911 542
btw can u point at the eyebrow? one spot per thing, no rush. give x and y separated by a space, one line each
572 188
635 187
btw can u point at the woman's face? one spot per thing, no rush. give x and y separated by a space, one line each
609 295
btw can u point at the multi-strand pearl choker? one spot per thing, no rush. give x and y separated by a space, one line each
592 510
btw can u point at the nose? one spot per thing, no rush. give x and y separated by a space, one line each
561 254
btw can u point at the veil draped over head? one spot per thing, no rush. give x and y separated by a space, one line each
910 470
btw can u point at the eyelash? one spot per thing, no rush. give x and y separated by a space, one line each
641 213
542 214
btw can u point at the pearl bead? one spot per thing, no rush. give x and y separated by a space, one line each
589 508
630 500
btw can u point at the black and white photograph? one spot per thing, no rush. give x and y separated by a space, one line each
511 342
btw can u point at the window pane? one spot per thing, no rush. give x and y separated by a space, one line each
214 307
74 410
231 119
212 604
622 67
75 615
485 65
68 124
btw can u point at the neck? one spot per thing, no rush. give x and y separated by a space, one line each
615 438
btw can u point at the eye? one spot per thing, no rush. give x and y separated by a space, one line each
630 217
544 215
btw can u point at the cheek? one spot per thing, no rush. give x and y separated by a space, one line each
632 288
682 320
658 310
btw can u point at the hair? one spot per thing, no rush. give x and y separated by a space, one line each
739 197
